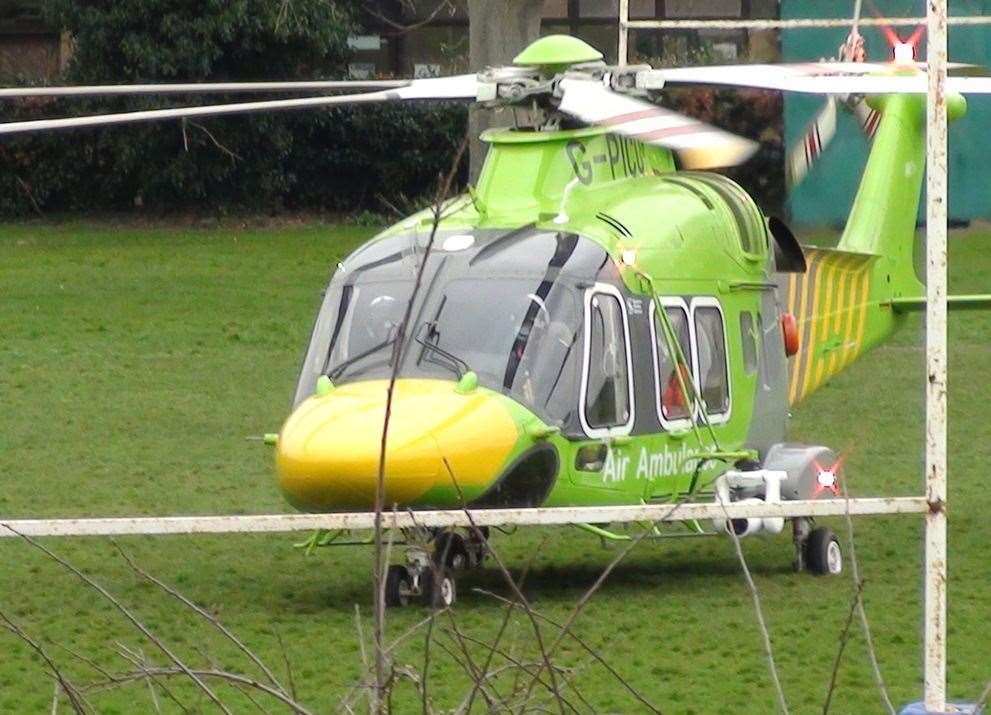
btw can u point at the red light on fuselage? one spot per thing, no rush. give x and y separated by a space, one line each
789 331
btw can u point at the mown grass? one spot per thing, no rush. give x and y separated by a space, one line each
135 361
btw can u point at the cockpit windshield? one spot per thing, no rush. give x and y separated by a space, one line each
518 330
514 339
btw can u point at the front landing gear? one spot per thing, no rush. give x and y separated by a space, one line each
817 550
428 576
439 590
399 589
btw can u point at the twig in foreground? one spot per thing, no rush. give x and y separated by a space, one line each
127 614
583 645
983 700
396 361
862 612
517 593
210 618
505 622
76 700
844 637
758 612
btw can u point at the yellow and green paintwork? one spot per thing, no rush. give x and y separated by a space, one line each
677 233
845 302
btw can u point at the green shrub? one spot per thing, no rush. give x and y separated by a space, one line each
338 159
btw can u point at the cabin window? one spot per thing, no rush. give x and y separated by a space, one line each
607 390
748 338
672 407
713 371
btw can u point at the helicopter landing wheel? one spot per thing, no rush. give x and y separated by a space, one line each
437 588
398 586
478 545
451 551
823 554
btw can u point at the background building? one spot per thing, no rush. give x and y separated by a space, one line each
28 48
438 40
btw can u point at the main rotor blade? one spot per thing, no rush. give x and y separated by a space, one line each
197 88
790 78
458 87
699 145
741 74
815 138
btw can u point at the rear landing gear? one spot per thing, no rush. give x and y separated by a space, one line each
817 550
823 555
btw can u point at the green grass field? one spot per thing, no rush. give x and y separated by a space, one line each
135 362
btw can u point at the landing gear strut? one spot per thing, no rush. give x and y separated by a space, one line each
428 575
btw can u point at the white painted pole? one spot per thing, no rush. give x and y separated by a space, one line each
555 516
624 32
798 23
936 476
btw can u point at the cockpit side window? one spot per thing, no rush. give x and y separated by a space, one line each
607 390
673 372
713 370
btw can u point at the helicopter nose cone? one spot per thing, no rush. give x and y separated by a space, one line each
327 455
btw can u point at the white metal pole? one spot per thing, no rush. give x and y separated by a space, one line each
936 476
624 31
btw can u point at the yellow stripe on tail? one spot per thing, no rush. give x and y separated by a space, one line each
829 302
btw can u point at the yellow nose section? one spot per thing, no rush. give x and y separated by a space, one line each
327 456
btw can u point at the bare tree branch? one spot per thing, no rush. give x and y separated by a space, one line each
288 665
508 612
144 671
76 700
397 354
469 667
587 596
30 195
983 700
518 594
210 618
759 613
233 156
583 645
527 668
127 614
844 637
862 612
137 660
401 29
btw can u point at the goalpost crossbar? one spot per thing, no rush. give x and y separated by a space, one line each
553 516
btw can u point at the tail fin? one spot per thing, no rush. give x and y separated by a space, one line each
844 301
882 220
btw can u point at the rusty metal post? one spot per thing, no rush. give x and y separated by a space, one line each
936 477
624 32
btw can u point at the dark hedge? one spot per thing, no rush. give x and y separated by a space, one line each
341 159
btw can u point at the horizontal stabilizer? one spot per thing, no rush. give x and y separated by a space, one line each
953 302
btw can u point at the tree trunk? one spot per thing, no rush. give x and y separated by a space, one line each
498 30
